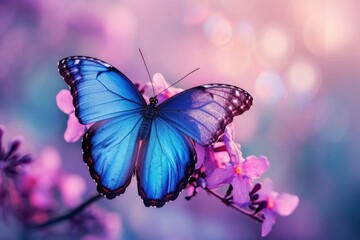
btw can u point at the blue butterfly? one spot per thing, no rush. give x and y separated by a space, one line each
156 142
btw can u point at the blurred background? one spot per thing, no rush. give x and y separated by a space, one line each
300 60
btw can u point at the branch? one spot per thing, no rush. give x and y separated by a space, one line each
68 215
234 206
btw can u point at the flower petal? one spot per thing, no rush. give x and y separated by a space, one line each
242 186
254 167
200 153
159 82
267 189
64 101
285 204
233 148
268 222
215 157
74 129
229 132
219 176
72 189
161 86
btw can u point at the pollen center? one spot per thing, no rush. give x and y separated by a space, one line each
270 203
238 170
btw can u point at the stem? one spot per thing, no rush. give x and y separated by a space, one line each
70 214
233 206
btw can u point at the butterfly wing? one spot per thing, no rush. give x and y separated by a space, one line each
104 95
99 90
167 160
110 150
203 112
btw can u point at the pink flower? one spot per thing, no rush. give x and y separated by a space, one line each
216 155
34 198
240 172
211 157
161 88
72 188
11 161
75 129
282 204
95 223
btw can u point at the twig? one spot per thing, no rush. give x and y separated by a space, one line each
233 206
68 215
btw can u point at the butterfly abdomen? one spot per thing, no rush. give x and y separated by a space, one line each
145 128
148 114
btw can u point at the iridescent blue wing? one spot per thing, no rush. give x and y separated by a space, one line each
99 90
167 159
203 112
110 149
104 95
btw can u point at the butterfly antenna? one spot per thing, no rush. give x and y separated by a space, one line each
147 70
179 80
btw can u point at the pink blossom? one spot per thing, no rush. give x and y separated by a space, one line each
161 88
11 162
72 188
97 224
239 172
216 155
211 157
282 204
74 129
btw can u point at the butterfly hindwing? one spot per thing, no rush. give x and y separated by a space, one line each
167 159
203 112
110 149
99 90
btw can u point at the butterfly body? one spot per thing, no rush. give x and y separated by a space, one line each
149 114
156 142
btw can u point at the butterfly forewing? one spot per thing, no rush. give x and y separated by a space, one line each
203 112
99 90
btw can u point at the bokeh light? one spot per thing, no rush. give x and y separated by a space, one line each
192 12
329 30
218 30
303 77
269 88
274 45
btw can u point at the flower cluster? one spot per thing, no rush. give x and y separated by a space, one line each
223 164
218 165
34 193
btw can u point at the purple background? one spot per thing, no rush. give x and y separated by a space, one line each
299 59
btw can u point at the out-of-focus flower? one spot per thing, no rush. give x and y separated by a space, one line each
74 129
10 160
47 187
240 172
37 189
72 188
97 224
282 204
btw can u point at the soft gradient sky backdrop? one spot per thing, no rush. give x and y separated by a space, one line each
300 59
